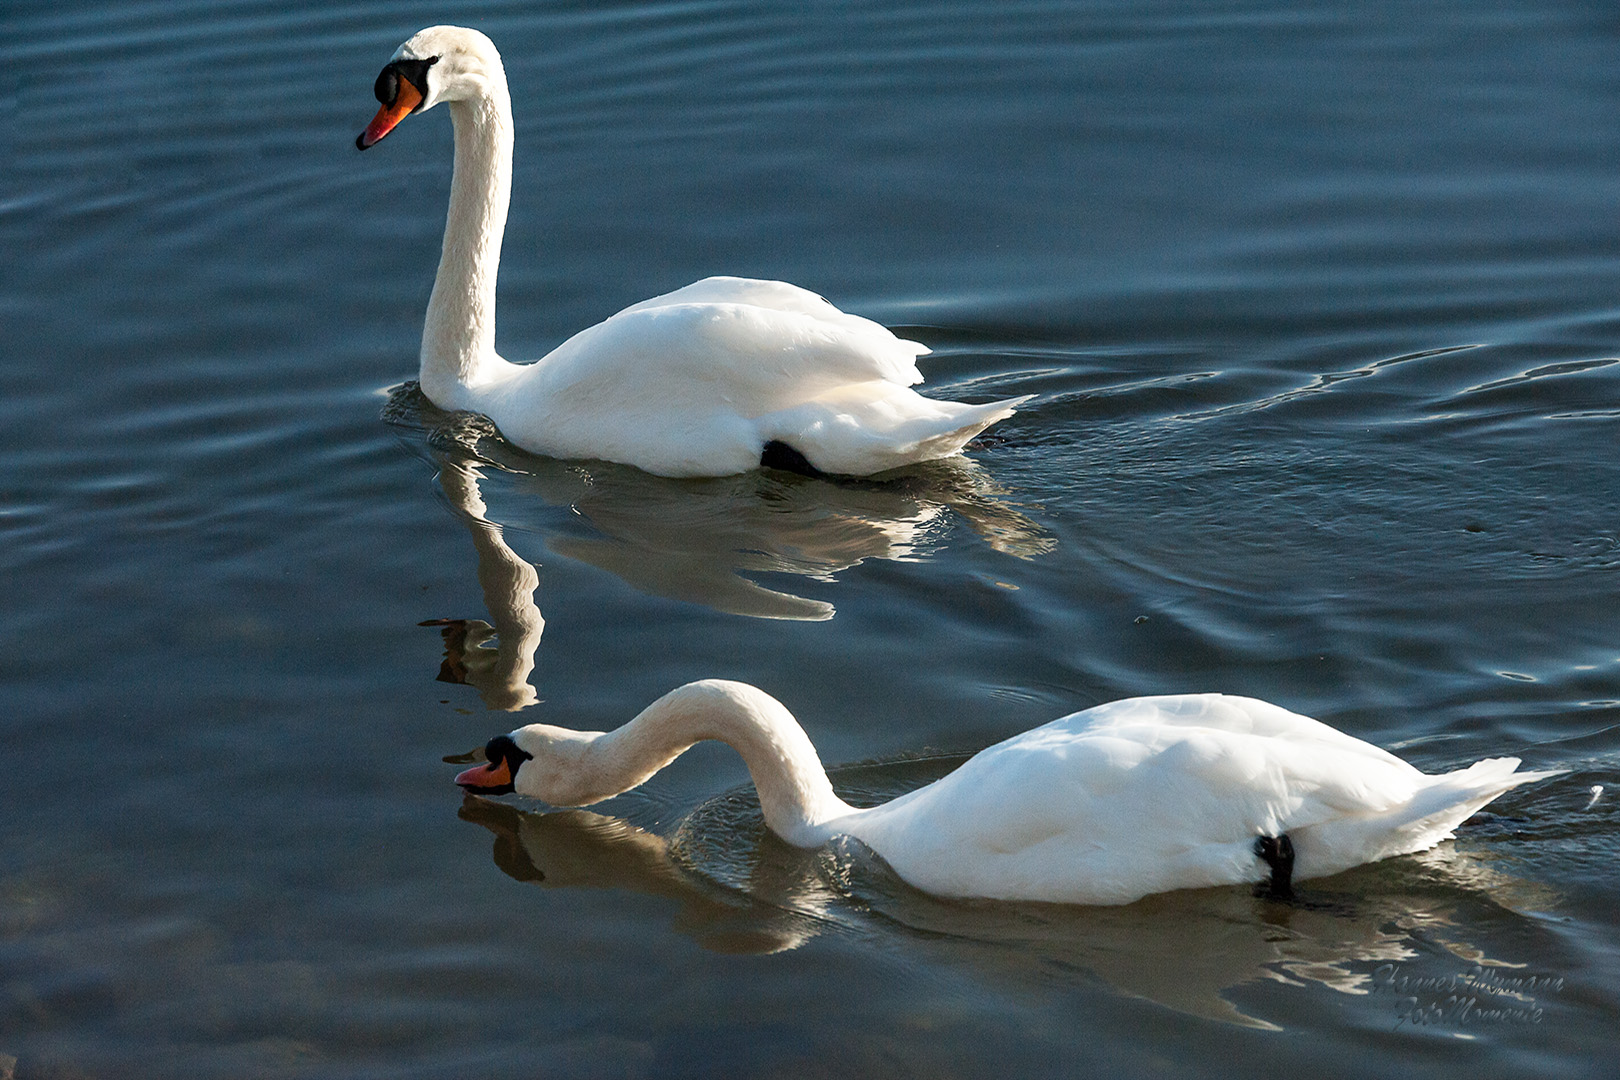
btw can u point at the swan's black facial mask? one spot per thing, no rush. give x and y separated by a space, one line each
505 757
412 71
401 87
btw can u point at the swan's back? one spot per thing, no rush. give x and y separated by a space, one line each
1151 794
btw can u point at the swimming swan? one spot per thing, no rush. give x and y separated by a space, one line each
1103 806
716 378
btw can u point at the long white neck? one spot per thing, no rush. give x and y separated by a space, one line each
458 337
794 792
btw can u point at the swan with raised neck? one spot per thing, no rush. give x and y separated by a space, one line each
1102 806
718 377
462 69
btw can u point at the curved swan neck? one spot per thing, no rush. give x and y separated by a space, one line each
458 337
794 793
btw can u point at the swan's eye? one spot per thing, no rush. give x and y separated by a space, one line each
414 72
387 88
502 749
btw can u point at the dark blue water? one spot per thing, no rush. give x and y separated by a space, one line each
1319 306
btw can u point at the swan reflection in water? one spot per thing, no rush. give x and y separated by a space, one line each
578 849
696 541
1220 954
499 673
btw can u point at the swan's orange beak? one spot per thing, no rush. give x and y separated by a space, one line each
492 779
389 116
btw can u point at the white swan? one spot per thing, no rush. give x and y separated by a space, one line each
713 379
1100 807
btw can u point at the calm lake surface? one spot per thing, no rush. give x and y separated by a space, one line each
1321 307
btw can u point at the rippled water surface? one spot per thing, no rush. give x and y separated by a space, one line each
1318 306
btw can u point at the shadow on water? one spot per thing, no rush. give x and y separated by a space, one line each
696 541
1372 938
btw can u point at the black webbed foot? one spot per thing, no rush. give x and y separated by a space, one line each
1278 853
779 455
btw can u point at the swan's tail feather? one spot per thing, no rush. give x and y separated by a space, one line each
1430 816
969 422
1456 796
874 427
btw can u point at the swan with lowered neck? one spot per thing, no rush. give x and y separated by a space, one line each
1103 806
719 377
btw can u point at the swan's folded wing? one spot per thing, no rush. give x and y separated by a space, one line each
1229 713
705 356
770 295
894 358
757 292
1094 822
